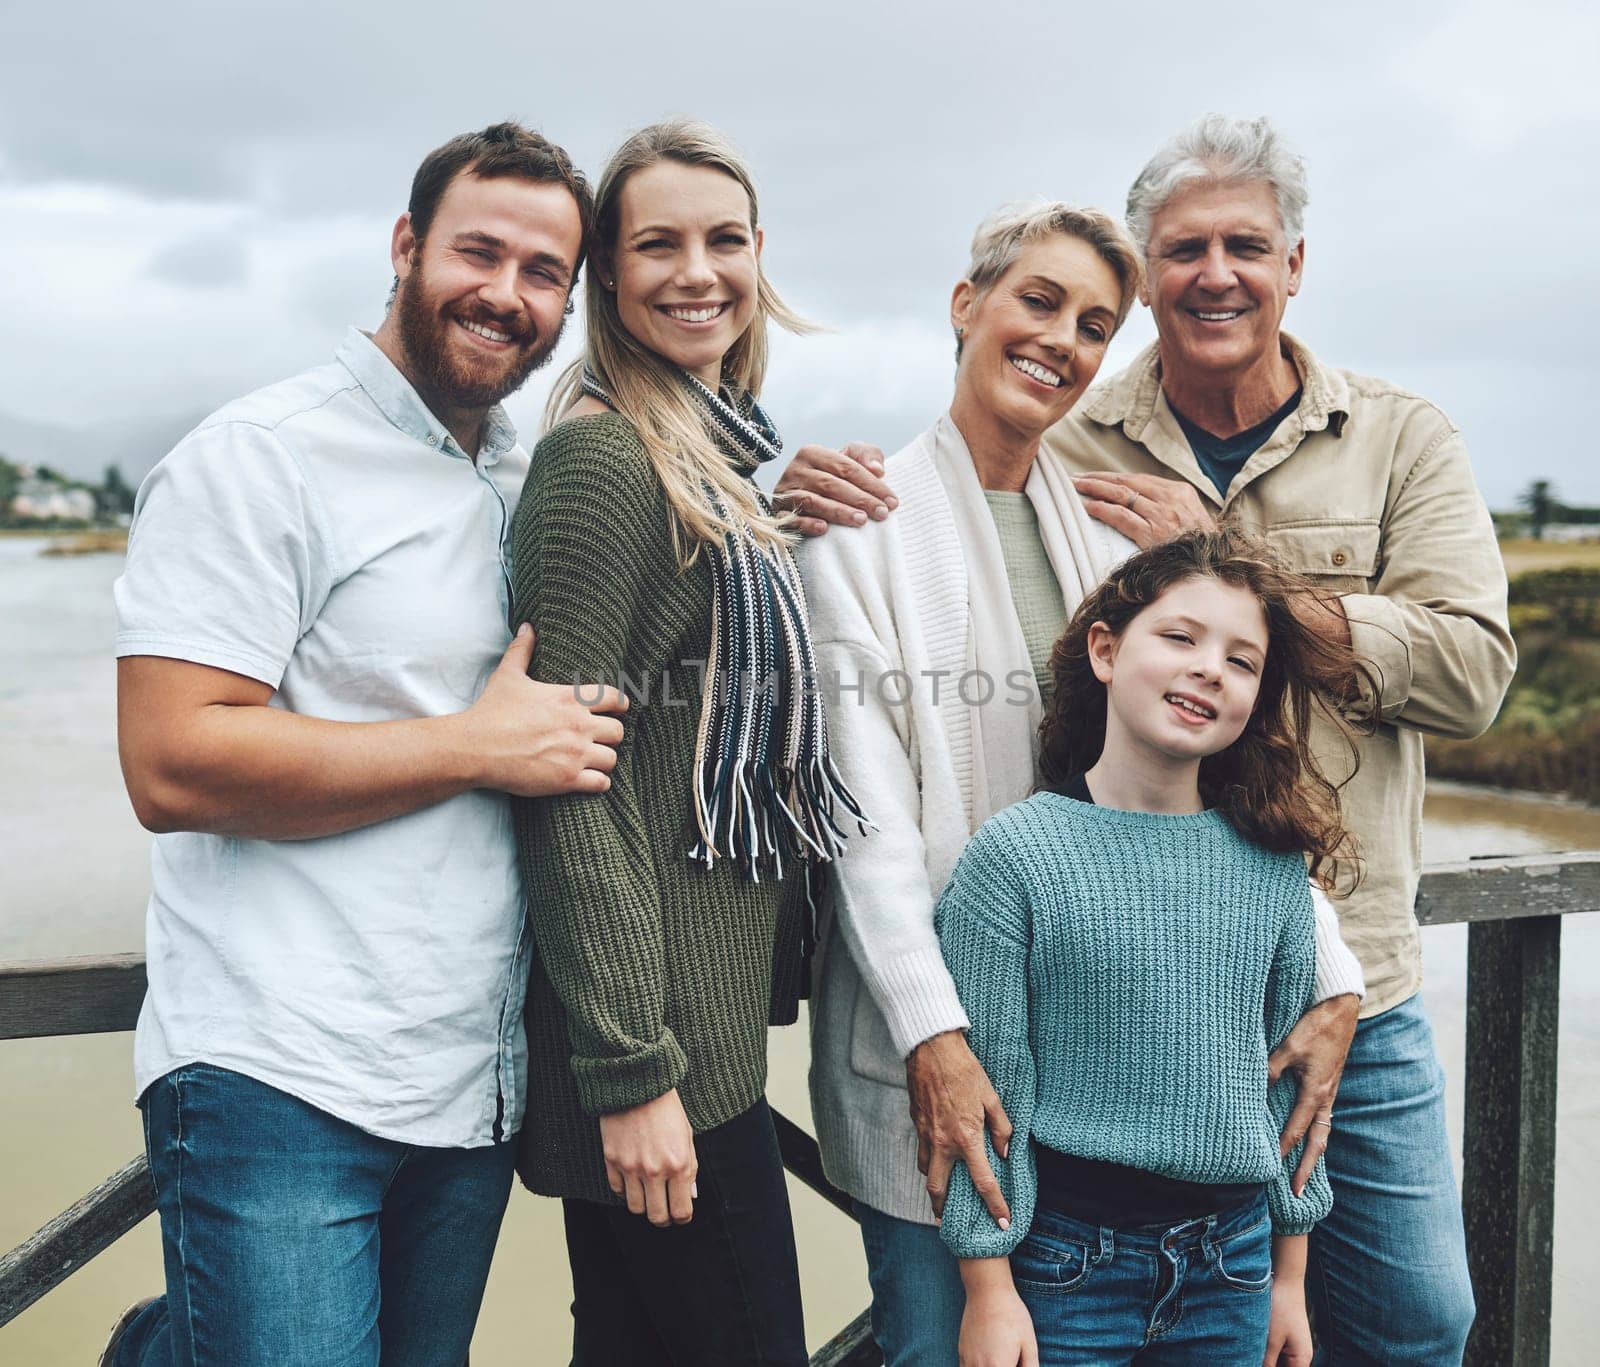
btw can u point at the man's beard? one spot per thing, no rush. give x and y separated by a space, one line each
424 333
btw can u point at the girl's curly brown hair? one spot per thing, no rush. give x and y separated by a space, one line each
1267 783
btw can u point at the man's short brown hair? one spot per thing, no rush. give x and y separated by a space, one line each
502 149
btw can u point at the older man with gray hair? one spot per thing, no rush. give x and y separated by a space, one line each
1368 490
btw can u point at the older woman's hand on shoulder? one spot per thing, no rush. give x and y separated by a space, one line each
844 487
1146 509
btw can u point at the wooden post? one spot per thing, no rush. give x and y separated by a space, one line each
1508 1178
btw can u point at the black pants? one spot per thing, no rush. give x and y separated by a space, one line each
722 1289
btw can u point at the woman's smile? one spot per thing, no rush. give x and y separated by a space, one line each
1037 371
694 315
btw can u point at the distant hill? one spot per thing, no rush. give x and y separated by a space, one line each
134 444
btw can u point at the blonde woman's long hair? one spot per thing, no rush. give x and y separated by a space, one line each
647 389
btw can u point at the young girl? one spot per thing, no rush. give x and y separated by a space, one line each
668 914
1130 943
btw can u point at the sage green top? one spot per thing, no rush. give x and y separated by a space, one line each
649 972
1035 590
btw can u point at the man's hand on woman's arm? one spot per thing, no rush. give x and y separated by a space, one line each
202 750
952 1102
843 487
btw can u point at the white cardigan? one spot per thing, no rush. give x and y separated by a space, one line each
893 596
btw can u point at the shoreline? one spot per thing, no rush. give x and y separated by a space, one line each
1462 787
70 541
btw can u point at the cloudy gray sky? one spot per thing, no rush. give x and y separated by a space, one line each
195 198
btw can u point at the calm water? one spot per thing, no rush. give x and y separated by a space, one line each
75 879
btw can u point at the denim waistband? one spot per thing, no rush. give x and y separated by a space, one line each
1223 1225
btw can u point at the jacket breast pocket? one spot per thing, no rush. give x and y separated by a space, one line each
1342 556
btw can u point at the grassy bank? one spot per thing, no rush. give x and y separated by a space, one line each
1523 554
1547 736
75 540
113 539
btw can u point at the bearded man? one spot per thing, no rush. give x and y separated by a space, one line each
321 711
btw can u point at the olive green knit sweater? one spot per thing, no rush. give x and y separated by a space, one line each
649 972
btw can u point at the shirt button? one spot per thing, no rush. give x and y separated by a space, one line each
433 441
1339 557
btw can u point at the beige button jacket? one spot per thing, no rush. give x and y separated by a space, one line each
1367 489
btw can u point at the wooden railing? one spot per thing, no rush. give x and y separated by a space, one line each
1513 908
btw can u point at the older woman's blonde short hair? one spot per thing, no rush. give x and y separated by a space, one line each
1002 236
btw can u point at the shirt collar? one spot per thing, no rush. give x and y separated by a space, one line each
394 397
1130 399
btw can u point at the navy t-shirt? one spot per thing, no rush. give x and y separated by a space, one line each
1223 457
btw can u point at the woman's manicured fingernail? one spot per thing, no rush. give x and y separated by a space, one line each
1005 1223
694 1190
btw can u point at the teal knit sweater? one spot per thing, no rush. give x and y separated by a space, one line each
1126 975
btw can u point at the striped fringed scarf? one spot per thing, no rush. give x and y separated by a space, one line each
764 782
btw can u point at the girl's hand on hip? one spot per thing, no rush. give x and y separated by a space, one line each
1289 1333
996 1329
650 1159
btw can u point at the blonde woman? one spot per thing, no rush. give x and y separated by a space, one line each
671 914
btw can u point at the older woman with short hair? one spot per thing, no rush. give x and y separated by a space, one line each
936 627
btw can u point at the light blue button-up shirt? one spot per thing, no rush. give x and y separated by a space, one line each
328 537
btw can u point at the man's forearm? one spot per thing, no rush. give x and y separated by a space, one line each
263 773
1325 616
202 750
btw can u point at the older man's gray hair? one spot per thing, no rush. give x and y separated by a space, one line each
1217 149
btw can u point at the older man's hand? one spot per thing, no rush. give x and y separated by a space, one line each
951 1102
842 487
1146 509
1314 1051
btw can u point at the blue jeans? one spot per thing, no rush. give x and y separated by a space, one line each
1199 1292
917 1293
1387 1274
292 1239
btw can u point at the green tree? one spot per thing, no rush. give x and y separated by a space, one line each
114 497
1539 501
